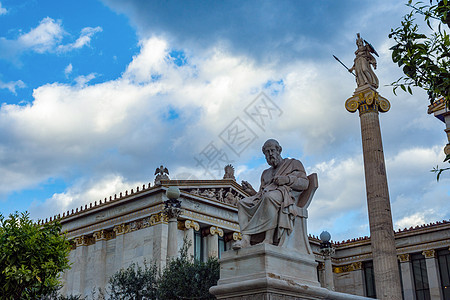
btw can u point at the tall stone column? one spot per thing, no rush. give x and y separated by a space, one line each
172 214
433 274
120 231
213 241
189 226
387 278
407 276
79 272
100 258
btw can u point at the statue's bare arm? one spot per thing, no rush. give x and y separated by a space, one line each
248 188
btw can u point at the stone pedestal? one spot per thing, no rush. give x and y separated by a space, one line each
266 271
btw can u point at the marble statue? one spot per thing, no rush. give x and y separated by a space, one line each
161 174
270 213
229 172
364 58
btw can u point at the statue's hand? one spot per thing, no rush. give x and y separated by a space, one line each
248 187
281 180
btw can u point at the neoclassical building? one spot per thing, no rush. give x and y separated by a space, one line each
131 227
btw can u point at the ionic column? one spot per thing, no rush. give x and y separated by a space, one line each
79 266
189 226
160 240
433 274
120 231
172 214
212 240
407 276
387 276
100 259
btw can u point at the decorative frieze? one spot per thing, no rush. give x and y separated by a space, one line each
225 195
429 253
348 268
404 257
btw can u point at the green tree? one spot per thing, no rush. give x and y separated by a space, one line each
424 57
31 257
182 278
134 283
185 278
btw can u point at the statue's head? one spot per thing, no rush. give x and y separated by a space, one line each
272 151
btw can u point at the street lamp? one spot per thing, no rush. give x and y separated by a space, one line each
172 194
327 250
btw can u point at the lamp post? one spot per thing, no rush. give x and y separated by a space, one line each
172 209
327 250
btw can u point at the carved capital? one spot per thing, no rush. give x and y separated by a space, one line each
121 229
188 224
366 101
83 241
216 230
429 253
404 257
237 236
327 252
100 235
171 212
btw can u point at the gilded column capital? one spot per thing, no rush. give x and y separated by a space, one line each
100 235
429 253
216 230
366 101
83 241
188 224
404 257
237 236
121 229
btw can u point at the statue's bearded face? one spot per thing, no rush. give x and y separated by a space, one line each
273 154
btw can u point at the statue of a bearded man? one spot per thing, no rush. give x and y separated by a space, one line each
269 213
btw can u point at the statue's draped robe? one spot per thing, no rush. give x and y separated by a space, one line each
272 207
364 73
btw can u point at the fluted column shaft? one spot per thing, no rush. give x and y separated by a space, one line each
387 278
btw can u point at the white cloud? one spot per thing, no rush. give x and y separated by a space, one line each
83 40
68 70
12 85
82 80
44 37
122 127
3 11
82 193
47 37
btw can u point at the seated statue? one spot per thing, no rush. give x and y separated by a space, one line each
269 214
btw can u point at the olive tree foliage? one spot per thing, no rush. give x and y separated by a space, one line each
185 278
182 278
424 57
31 257
134 283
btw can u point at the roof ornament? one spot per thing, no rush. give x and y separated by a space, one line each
161 174
229 172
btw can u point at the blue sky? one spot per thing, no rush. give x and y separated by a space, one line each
96 94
